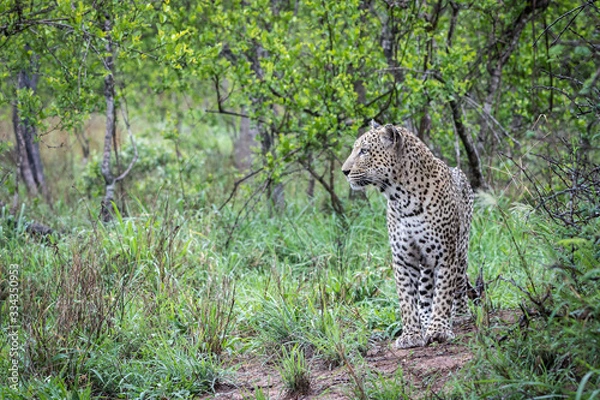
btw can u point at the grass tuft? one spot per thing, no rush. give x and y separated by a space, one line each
294 372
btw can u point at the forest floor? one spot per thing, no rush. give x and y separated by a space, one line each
424 370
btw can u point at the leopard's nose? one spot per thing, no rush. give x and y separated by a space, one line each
346 171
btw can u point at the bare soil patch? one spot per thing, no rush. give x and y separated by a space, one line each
426 369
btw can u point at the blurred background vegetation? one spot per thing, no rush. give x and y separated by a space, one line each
170 187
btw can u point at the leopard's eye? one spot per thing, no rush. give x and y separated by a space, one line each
363 151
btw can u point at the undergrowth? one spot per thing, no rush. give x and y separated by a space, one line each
551 351
164 301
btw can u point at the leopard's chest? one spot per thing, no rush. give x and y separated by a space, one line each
415 221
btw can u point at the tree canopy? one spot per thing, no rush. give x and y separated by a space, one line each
311 74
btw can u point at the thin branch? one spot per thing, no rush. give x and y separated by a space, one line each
376 99
248 208
236 114
453 18
237 184
566 27
564 93
81 65
489 116
124 113
560 18
335 201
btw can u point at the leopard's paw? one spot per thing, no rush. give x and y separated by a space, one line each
408 341
439 336
461 320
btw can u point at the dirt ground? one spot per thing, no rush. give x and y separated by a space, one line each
426 369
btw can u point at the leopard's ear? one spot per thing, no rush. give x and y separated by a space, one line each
391 134
374 125
392 138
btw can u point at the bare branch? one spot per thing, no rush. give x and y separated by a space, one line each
236 114
481 111
135 150
238 183
578 9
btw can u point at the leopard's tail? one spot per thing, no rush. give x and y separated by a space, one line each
476 292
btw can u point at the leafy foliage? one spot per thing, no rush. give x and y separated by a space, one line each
196 273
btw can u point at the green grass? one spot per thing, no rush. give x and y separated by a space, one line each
553 350
162 302
295 373
380 387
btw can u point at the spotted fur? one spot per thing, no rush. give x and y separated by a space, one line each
429 217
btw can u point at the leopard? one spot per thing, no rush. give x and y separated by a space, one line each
429 213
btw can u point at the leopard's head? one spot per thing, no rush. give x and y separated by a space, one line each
374 158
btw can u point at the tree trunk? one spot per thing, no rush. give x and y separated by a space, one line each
28 149
424 125
106 212
246 141
388 41
258 131
503 49
477 179
361 94
84 142
336 203
275 190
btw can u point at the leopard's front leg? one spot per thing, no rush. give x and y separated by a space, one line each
439 329
407 272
